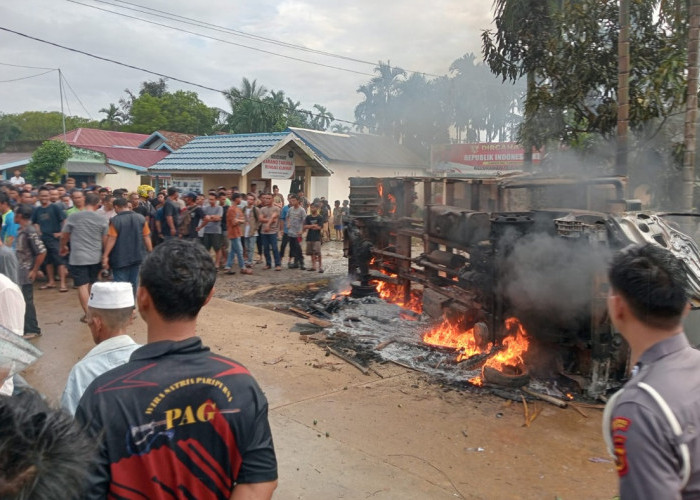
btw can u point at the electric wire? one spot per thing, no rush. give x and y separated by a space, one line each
27 77
22 66
235 32
63 76
221 39
162 75
64 93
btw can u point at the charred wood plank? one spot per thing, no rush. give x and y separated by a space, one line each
363 369
545 397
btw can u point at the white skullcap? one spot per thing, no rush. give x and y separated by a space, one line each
111 295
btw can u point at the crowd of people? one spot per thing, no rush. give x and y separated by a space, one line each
92 233
158 254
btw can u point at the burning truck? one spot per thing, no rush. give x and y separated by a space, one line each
511 271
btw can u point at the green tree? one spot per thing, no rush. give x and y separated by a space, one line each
247 108
41 125
180 111
322 118
114 117
379 113
48 162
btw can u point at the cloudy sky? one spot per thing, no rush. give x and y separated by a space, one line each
415 35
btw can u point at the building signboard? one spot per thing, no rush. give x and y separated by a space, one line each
187 184
479 159
278 166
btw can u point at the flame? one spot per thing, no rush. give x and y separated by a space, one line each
509 359
392 203
515 344
449 334
342 293
393 293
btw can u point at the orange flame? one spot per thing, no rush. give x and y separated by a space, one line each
448 334
515 344
393 293
342 293
510 358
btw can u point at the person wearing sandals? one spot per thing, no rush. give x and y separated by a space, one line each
87 232
31 253
313 226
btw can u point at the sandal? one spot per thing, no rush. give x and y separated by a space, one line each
46 287
62 290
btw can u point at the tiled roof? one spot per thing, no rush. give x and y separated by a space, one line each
130 156
97 137
367 149
176 139
219 152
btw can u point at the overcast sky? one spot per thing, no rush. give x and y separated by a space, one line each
415 35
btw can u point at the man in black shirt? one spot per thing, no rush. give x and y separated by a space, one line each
178 421
48 221
195 215
313 225
171 214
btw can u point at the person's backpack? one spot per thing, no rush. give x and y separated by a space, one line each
184 222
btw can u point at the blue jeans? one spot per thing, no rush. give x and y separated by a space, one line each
269 241
237 252
130 274
250 248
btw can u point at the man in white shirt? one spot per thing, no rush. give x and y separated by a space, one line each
17 180
110 310
11 317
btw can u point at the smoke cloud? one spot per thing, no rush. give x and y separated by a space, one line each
550 278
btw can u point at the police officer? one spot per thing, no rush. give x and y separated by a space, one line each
652 424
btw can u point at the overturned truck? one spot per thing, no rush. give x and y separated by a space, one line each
509 264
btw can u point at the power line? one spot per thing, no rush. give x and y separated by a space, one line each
235 32
27 77
162 75
63 76
21 66
220 39
60 83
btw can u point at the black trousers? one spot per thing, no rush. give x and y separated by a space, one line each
283 246
295 251
31 325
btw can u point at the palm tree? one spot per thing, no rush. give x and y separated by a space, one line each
378 112
339 128
322 118
114 117
247 107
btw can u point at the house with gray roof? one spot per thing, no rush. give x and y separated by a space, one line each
357 155
253 162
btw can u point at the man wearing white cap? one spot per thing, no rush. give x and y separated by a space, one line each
110 309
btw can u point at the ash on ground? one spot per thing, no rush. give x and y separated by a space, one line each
371 329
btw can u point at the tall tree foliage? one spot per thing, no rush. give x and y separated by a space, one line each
48 162
572 61
38 125
254 108
468 104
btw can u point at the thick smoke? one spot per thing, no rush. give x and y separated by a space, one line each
551 277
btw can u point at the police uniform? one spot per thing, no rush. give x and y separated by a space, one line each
652 424
177 422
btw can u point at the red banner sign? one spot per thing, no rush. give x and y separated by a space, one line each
483 159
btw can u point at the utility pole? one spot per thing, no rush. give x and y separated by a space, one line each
623 99
63 116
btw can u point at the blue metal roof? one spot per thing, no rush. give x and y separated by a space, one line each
219 152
